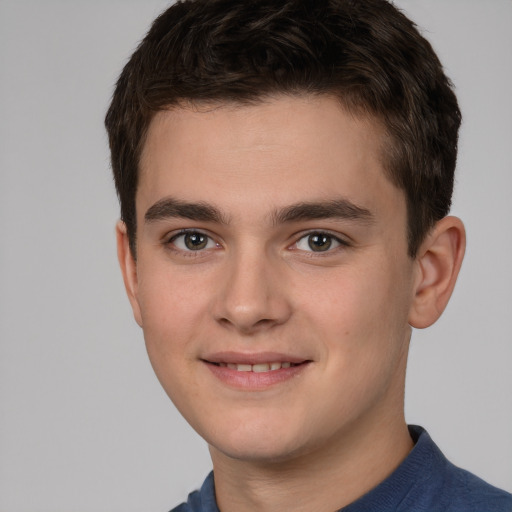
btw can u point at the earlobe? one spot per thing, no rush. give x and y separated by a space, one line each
128 269
438 263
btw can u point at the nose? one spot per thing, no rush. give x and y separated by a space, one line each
253 297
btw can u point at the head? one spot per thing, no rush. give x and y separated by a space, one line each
284 171
367 55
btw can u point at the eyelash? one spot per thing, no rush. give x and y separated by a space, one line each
171 243
342 244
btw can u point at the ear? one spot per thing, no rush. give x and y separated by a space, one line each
438 263
128 269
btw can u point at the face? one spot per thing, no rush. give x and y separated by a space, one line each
272 279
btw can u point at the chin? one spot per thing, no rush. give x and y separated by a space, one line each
253 444
260 451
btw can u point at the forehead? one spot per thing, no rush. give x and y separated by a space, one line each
280 151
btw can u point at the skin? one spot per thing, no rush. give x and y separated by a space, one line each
334 427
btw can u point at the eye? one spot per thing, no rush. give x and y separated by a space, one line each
192 241
318 242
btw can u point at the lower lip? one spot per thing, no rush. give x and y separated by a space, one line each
255 380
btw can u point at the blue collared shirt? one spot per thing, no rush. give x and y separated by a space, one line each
425 482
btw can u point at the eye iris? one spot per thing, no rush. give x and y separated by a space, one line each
319 242
195 241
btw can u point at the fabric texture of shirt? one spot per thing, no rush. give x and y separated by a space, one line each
424 482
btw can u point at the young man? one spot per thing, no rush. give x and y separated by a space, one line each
285 171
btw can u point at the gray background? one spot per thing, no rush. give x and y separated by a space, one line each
84 425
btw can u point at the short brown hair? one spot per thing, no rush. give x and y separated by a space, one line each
365 52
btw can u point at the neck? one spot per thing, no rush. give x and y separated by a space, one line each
322 480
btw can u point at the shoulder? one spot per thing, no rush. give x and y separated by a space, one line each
442 486
193 504
202 500
181 508
465 491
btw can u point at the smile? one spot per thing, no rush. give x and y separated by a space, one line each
255 371
257 368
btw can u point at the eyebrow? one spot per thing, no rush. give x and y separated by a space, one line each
169 207
334 209
203 212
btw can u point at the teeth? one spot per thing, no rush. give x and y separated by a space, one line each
260 367
257 368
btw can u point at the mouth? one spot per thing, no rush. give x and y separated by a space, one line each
258 367
255 371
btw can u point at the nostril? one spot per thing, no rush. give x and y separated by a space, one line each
247 326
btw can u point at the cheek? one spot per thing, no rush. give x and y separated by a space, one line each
173 308
347 300
361 322
361 311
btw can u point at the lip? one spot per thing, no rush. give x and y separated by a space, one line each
254 381
252 358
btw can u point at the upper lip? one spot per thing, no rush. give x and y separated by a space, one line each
253 358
